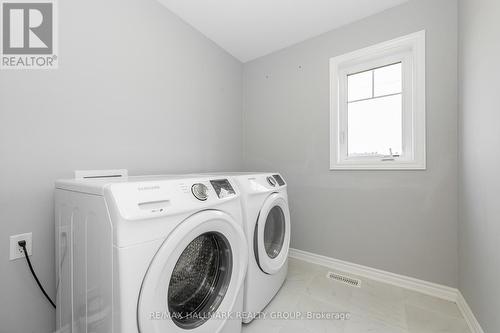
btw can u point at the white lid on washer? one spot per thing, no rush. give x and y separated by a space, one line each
142 197
95 181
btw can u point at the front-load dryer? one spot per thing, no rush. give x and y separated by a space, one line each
149 254
266 218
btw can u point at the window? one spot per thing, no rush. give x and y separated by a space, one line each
378 106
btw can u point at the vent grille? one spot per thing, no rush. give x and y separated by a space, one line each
344 279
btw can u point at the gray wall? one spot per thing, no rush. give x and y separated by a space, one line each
401 221
479 228
136 88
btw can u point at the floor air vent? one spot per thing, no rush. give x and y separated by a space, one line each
344 279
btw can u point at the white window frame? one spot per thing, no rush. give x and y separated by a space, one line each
410 51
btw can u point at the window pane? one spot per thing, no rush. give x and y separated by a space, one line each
359 86
375 126
388 80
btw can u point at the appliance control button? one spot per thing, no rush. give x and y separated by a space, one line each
271 181
200 191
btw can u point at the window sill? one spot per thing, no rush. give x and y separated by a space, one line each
389 165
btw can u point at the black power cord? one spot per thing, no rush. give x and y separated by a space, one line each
23 245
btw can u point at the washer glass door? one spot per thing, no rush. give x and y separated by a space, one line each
272 234
197 272
199 280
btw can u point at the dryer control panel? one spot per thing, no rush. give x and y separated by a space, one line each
264 182
279 179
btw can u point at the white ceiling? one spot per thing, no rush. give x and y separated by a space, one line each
249 29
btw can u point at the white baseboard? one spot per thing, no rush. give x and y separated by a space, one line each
421 286
468 314
428 288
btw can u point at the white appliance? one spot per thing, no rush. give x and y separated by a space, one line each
266 218
149 254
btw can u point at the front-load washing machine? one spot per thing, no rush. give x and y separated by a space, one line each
149 254
266 218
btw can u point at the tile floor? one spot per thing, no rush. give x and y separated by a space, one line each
375 307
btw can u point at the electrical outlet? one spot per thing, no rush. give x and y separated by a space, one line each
16 251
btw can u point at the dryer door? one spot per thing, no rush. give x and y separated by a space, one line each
197 272
272 234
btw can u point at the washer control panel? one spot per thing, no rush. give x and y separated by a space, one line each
223 188
148 197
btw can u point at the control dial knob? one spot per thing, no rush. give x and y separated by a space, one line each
200 191
271 181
